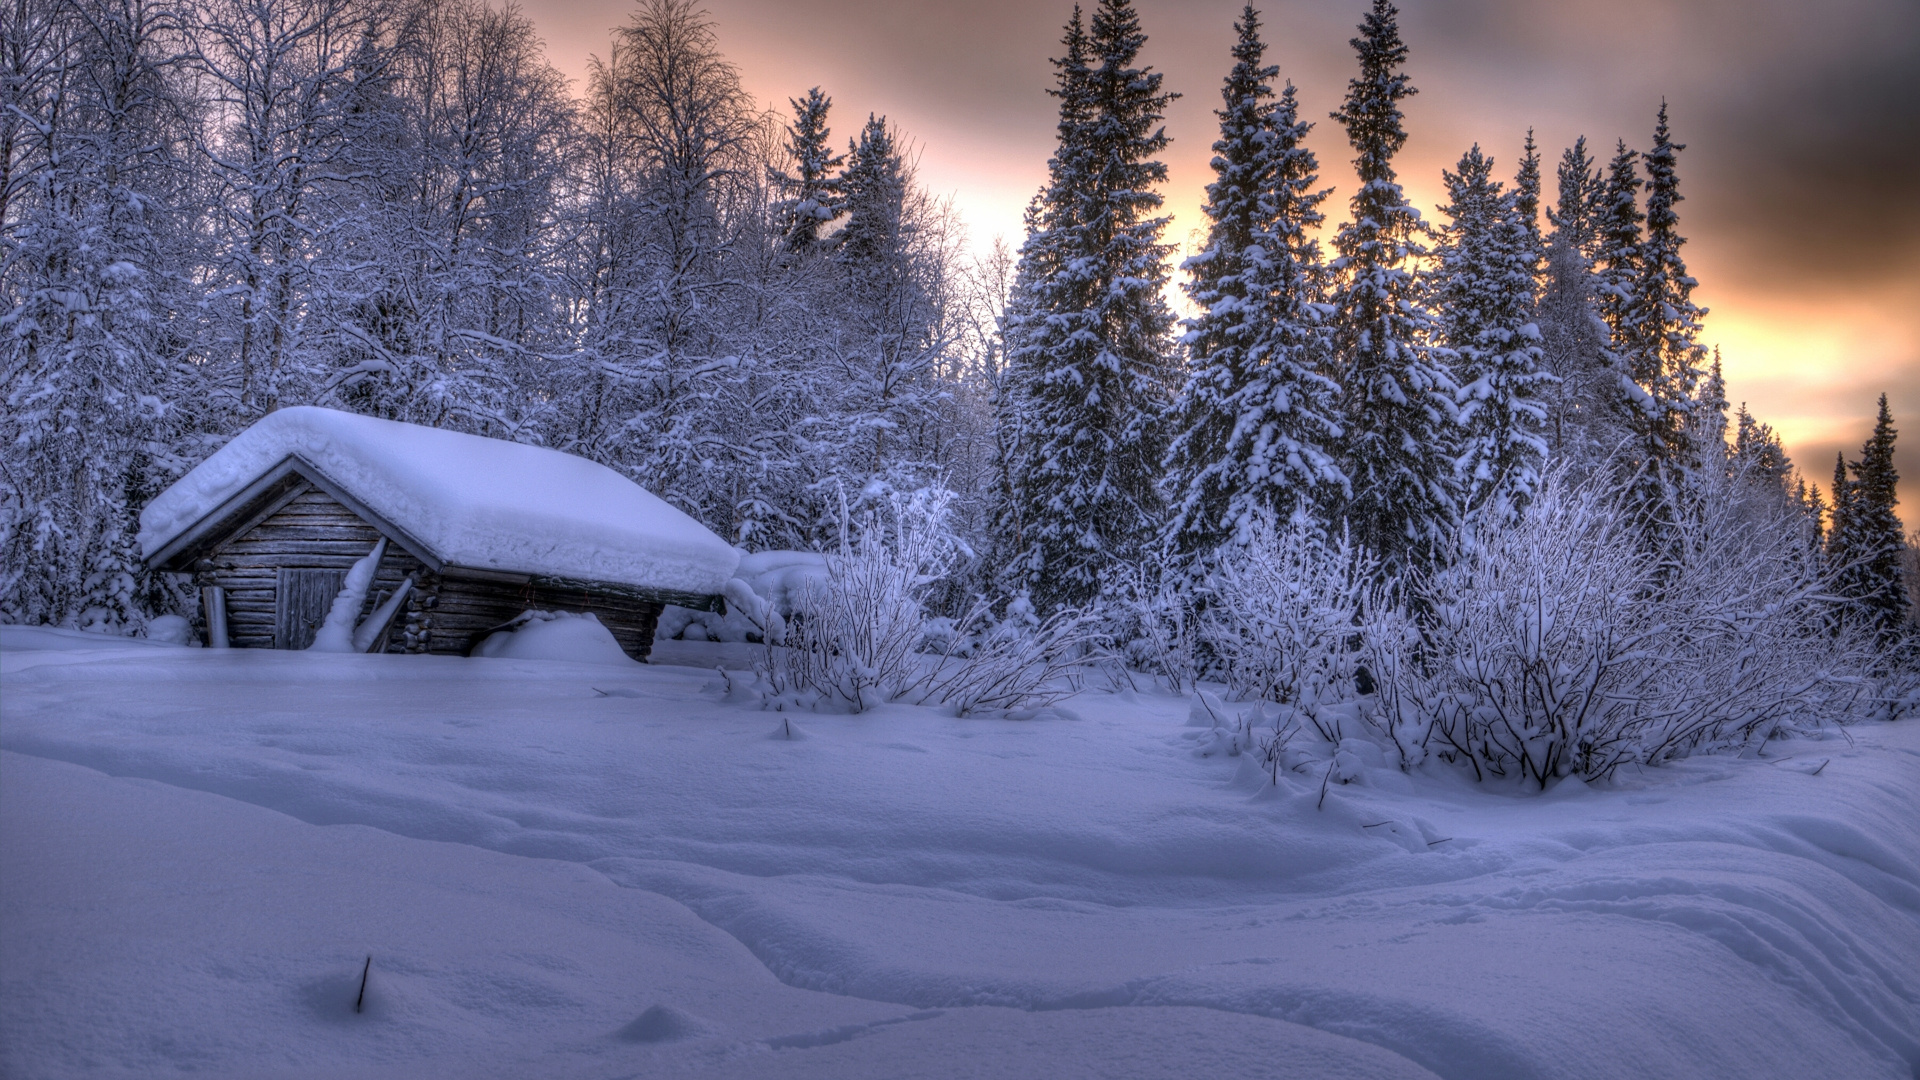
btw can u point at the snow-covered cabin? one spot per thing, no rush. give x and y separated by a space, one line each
478 530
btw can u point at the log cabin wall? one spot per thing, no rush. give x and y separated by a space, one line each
464 609
446 614
310 532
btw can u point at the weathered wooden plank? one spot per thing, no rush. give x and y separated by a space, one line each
308 519
337 549
269 538
261 608
315 501
304 597
266 578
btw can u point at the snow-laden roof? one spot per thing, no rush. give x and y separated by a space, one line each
474 502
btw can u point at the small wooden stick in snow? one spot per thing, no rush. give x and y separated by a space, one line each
362 999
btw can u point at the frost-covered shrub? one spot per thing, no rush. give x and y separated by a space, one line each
1553 647
852 639
775 578
1149 610
859 633
1285 616
1013 665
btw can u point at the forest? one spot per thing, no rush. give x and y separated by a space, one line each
1481 469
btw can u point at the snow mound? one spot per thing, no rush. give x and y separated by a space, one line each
170 630
554 635
664 1023
475 502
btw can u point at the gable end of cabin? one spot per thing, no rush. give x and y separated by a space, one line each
280 568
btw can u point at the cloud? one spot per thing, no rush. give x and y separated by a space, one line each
1814 169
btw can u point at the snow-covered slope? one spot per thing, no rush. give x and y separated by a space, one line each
616 872
480 503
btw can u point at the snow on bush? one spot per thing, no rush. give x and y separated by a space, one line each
776 578
1283 619
852 641
1555 647
1013 665
1552 646
856 634
1150 608
170 630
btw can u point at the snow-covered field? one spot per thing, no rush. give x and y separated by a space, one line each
565 870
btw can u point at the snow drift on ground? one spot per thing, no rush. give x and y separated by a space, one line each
570 870
481 503
555 635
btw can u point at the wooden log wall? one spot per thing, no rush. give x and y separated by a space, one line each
445 613
465 609
312 532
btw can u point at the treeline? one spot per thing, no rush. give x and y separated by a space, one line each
217 207
1407 392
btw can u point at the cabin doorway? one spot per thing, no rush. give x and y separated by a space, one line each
301 601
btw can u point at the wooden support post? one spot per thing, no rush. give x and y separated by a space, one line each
213 604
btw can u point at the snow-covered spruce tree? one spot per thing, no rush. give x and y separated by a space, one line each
874 199
1617 245
809 194
1526 203
1840 535
1707 417
1009 543
1483 292
1255 419
1586 410
1757 451
1867 539
1095 375
1398 444
101 239
1578 199
1659 331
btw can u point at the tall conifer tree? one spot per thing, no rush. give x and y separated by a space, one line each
812 190
1618 245
1587 417
1254 420
1707 417
1397 404
1579 199
1663 321
1758 454
1094 339
873 193
1867 541
1526 203
1658 332
1484 293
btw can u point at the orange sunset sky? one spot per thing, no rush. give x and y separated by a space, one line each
1802 122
